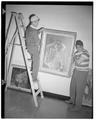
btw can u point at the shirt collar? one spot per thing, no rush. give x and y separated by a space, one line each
34 27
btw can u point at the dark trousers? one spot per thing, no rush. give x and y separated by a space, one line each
77 86
35 61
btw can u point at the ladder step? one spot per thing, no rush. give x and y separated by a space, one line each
38 91
29 59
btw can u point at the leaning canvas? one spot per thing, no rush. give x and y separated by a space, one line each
56 52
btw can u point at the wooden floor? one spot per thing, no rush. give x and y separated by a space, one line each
20 105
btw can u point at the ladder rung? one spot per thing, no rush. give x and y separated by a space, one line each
29 59
38 91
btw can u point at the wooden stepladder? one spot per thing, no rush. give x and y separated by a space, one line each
18 18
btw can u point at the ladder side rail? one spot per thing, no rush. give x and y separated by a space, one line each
5 74
25 60
7 65
8 29
10 44
7 46
11 55
13 36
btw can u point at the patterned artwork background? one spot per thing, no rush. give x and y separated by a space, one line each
20 78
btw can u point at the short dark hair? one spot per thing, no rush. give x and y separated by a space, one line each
31 16
79 42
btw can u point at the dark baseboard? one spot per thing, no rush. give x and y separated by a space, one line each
59 97
55 96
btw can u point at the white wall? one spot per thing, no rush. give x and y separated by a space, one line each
68 18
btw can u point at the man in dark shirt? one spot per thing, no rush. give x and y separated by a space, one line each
33 43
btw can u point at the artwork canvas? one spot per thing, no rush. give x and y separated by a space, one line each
56 51
19 78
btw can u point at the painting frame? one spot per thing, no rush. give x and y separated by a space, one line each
18 78
51 38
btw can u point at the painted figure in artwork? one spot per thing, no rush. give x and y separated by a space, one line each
55 56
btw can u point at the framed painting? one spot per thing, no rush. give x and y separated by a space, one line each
19 79
56 51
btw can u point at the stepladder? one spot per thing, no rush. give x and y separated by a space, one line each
20 30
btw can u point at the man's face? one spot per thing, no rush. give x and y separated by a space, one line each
35 23
79 48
